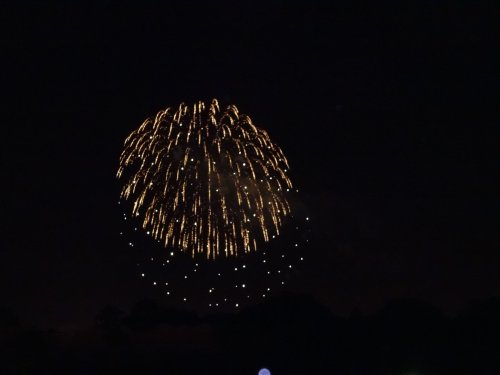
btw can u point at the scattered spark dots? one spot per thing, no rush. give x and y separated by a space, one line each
207 207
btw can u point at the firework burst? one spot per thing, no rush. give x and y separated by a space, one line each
205 181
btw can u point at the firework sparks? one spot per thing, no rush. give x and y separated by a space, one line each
205 180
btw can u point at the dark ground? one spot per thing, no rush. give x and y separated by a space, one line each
290 334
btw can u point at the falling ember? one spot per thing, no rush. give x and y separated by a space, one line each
205 180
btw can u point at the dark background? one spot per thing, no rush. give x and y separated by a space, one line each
386 111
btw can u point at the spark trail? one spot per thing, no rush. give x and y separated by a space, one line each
205 181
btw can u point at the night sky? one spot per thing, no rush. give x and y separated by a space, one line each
387 114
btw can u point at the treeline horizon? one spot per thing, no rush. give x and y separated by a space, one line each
289 334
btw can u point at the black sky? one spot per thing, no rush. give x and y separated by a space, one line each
387 113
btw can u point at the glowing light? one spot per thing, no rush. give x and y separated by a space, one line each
172 174
264 371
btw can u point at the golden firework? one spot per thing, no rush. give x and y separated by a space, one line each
205 180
